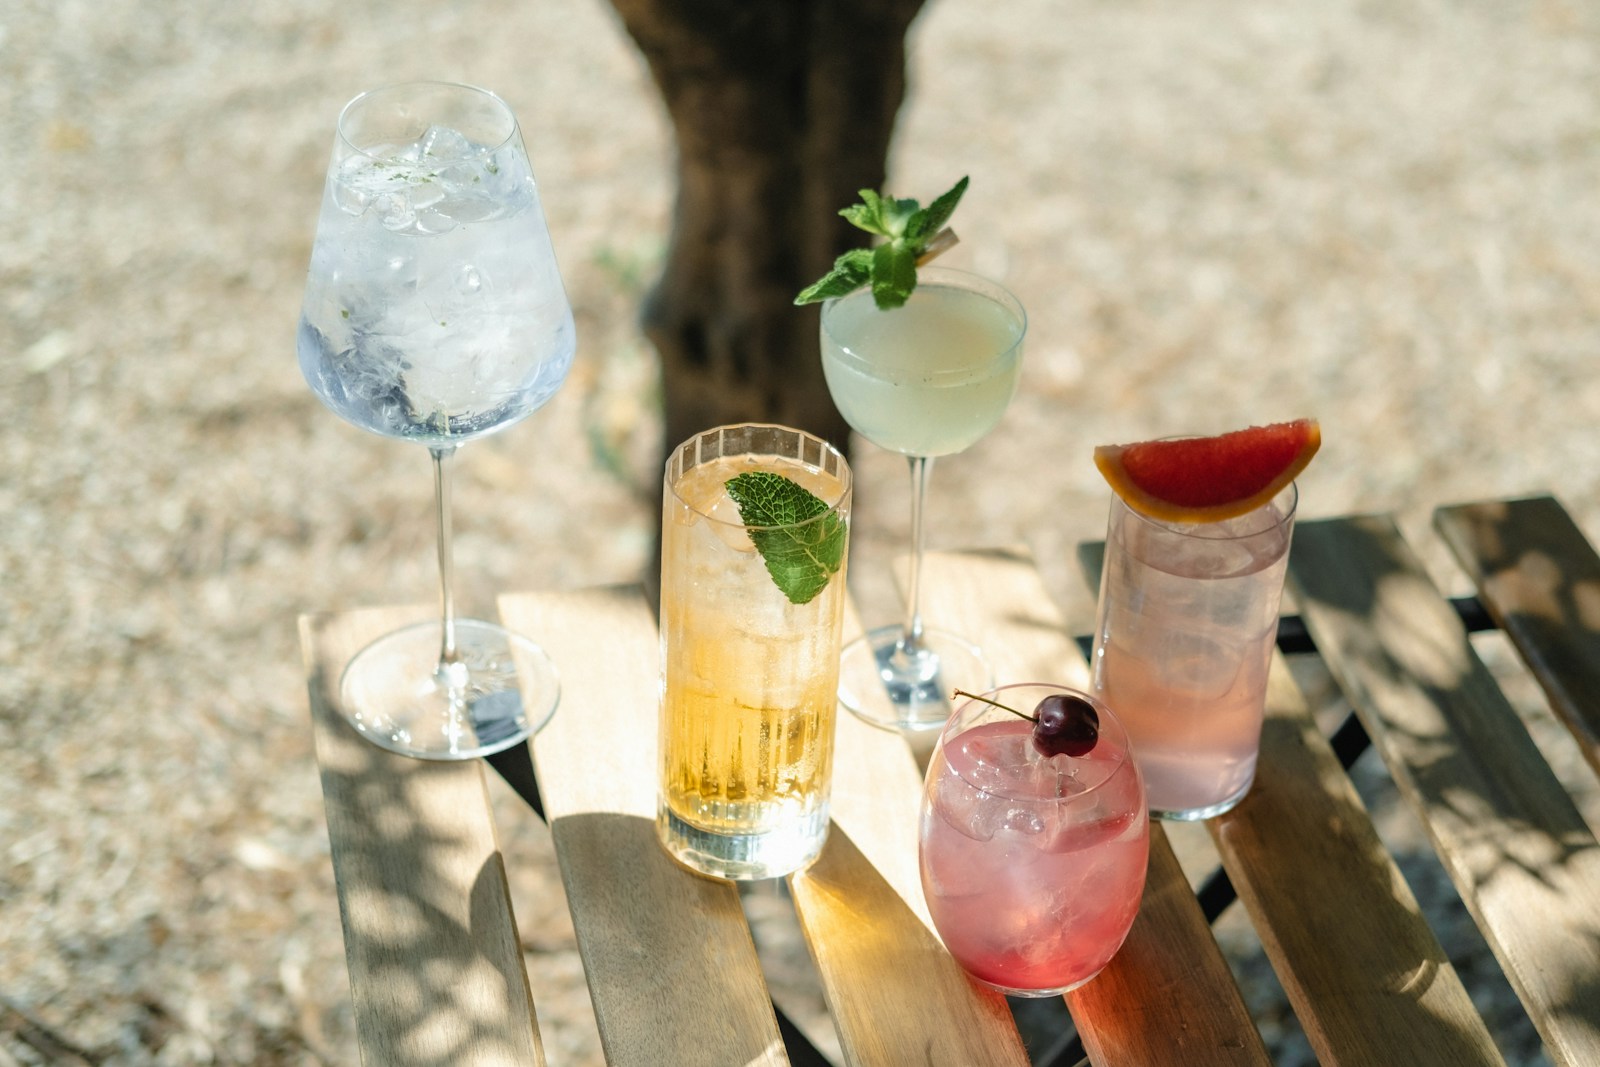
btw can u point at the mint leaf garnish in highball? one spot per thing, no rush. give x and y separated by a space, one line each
913 233
800 558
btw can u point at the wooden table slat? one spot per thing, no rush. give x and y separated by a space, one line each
877 793
895 994
668 955
891 987
1362 969
1520 854
1540 579
419 876
1168 997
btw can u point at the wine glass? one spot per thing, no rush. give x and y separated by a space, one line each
927 379
434 313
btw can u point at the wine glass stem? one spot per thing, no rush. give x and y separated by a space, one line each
442 465
912 631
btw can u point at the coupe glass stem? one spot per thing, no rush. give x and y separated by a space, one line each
911 637
442 466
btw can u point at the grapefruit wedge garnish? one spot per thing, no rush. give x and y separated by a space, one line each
1208 479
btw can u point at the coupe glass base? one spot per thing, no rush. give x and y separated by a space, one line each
887 684
501 689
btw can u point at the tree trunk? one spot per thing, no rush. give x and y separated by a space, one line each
782 109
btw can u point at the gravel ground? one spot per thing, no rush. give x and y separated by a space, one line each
1383 215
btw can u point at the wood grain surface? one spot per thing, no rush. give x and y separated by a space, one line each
1518 851
436 971
1540 579
671 965
1363 971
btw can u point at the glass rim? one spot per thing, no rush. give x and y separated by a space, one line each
368 95
1106 716
945 278
1196 530
844 474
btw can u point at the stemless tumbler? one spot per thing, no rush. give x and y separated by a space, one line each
1033 866
1187 619
752 602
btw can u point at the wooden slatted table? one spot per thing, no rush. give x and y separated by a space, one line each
437 974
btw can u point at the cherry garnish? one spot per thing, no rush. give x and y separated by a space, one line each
1065 725
1062 725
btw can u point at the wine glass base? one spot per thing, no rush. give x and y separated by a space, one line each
501 689
887 685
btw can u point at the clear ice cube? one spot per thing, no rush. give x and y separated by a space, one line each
444 144
395 212
971 812
727 524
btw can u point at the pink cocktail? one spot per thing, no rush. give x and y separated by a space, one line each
1188 616
1032 865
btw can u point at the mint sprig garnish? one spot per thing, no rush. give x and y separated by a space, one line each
800 558
914 233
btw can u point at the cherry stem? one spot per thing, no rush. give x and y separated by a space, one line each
995 703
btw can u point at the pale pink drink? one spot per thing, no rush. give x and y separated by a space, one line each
1033 866
1187 620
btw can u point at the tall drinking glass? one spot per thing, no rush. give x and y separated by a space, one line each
1187 620
434 313
1033 866
751 613
927 379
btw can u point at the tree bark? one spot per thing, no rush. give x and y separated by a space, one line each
782 110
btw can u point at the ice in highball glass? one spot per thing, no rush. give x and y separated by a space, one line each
434 313
749 671
1033 866
1188 616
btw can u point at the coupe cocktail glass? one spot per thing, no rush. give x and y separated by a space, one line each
748 674
434 313
1187 620
927 379
1032 866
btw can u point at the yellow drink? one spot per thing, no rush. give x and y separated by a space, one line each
749 676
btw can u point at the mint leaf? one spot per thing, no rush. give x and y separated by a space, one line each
800 558
926 223
891 268
897 214
894 274
867 215
850 272
882 215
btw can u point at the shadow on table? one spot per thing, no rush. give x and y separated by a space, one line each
1525 863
